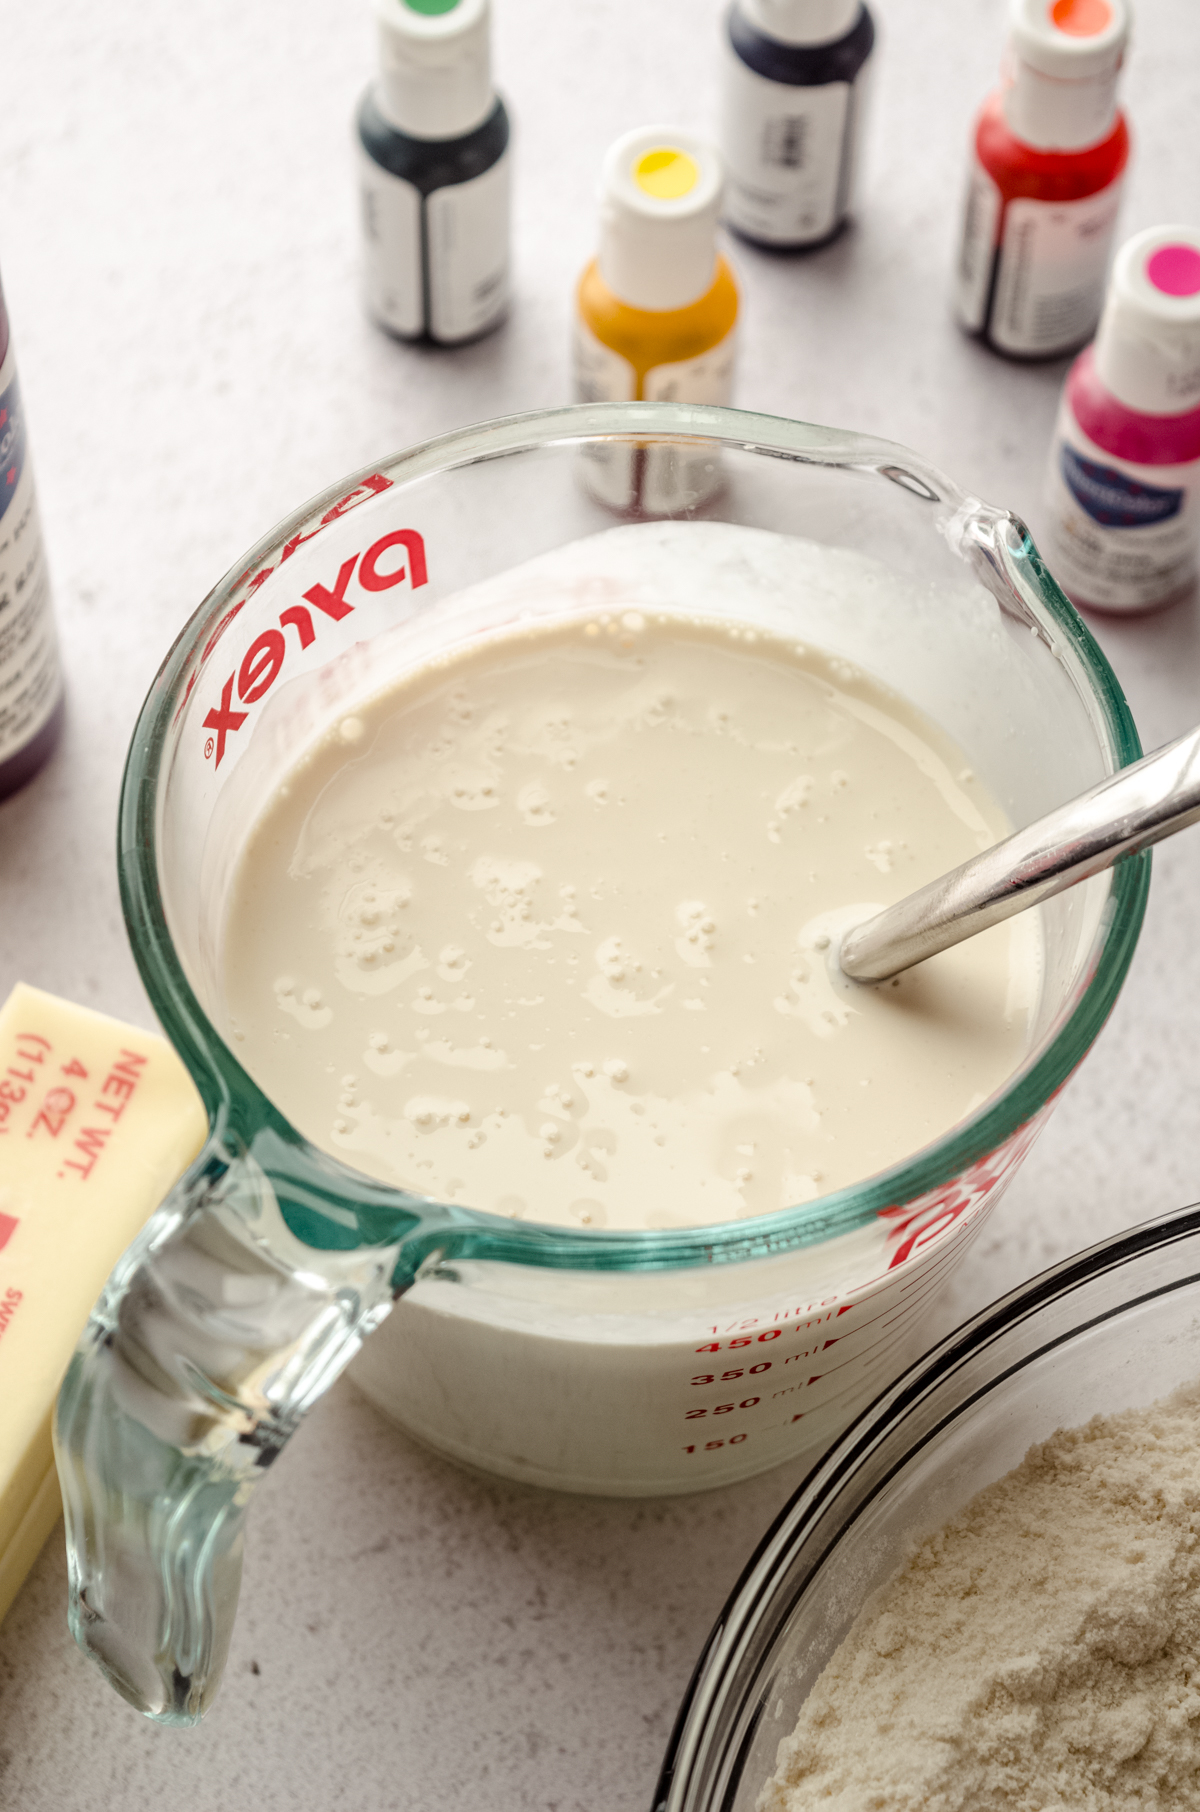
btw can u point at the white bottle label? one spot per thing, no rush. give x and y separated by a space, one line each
1049 286
707 379
790 153
392 276
467 237
30 684
1119 536
601 375
463 232
977 251
641 475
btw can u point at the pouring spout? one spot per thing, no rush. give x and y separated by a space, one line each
217 1331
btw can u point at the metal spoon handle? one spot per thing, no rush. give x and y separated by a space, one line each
1153 799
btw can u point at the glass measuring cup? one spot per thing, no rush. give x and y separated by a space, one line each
634 1362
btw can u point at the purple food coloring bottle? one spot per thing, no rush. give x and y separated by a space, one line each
31 691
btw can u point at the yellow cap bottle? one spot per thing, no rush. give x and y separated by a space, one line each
657 307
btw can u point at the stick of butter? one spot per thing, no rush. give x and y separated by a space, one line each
97 1120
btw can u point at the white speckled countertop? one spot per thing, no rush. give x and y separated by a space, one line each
178 243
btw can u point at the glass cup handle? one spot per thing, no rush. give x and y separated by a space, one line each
216 1332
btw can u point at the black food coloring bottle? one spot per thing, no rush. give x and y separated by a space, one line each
31 693
435 174
792 105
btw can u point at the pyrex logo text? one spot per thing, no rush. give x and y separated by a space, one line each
263 660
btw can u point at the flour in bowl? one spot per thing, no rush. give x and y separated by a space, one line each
1040 1653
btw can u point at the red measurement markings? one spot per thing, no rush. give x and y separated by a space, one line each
711 1446
764 1365
8 1226
822 1346
828 1303
827 1312
858 1353
714 1346
722 1409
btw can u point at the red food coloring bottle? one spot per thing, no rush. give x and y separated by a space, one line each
1050 151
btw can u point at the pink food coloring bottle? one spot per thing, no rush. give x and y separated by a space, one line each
1123 489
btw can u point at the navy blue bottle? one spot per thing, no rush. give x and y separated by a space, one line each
435 174
792 115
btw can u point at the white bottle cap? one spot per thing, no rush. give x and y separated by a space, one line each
435 66
1148 343
1067 59
802 21
660 193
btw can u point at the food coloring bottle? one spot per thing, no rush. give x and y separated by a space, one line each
656 311
1123 493
435 174
792 106
31 691
1050 149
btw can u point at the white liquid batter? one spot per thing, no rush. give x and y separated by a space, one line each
549 929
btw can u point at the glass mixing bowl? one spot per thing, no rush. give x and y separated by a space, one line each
591 1360
1117 1327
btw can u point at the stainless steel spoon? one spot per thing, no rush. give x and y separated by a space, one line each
1153 799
